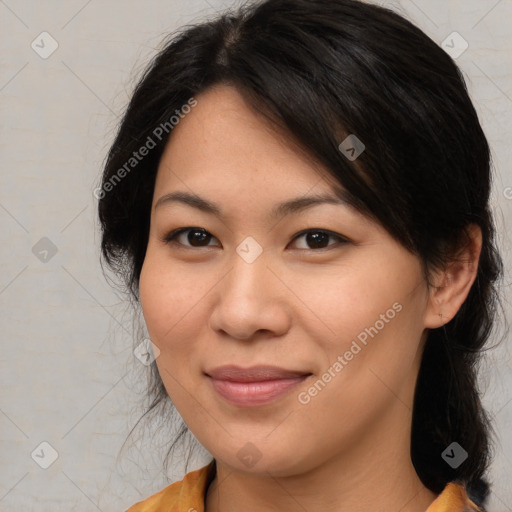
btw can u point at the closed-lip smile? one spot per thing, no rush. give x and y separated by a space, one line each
254 386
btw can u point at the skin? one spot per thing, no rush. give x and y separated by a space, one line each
294 306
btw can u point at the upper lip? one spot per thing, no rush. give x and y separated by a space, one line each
253 374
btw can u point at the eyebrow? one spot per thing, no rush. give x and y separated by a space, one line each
280 210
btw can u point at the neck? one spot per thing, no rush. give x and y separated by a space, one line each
231 491
376 474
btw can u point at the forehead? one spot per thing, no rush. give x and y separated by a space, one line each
223 142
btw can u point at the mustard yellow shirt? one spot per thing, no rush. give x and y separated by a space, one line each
188 495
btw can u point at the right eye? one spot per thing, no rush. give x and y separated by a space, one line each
196 237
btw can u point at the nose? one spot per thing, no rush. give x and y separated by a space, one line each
251 299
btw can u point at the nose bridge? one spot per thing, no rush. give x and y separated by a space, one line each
248 299
249 272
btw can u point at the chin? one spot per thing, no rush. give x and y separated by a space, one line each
264 458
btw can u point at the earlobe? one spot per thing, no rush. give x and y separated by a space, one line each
453 283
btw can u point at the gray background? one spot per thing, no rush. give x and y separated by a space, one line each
68 374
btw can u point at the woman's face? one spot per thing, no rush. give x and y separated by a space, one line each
343 307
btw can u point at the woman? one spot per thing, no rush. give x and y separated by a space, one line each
298 198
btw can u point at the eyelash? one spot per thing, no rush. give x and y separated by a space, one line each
170 237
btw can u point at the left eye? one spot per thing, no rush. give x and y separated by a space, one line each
317 238
196 237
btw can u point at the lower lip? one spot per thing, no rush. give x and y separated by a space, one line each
252 394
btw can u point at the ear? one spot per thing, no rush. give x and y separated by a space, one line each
452 284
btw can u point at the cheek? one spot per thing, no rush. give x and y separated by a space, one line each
347 301
170 299
374 315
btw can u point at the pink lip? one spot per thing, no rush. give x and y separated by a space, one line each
253 386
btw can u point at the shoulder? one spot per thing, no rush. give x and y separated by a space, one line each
454 498
186 495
